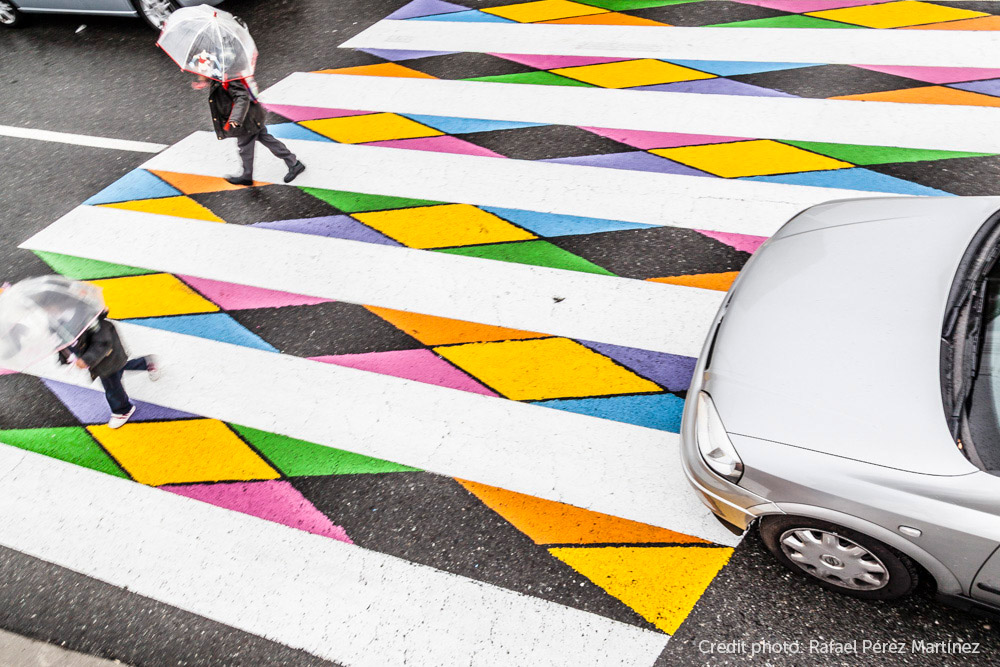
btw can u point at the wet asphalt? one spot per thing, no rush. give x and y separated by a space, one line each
109 80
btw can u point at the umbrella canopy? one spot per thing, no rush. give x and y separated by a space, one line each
40 316
210 42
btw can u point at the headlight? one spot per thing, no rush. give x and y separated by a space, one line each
713 443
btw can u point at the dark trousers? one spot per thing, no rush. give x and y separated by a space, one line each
115 391
247 142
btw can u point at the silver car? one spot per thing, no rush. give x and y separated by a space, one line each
13 13
847 398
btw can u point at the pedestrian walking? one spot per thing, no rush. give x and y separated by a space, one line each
237 113
100 350
217 47
55 315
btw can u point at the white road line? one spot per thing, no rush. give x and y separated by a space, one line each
337 601
80 139
933 48
744 207
605 466
933 126
621 311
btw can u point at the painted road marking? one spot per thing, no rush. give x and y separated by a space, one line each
80 139
941 48
742 207
931 126
619 469
334 600
607 309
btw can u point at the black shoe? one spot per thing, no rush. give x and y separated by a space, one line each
239 180
295 170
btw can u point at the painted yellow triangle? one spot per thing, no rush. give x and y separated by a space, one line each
431 330
180 207
661 584
381 69
549 522
193 184
716 281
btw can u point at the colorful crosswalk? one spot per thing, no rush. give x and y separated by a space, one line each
421 406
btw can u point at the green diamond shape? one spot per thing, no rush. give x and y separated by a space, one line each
300 458
68 443
536 253
358 202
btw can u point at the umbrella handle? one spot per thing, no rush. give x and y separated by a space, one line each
227 125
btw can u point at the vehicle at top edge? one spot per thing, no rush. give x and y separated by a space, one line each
14 13
847 398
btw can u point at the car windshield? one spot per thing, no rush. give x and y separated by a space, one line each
970 350
983 408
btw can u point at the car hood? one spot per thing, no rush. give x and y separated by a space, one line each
831 338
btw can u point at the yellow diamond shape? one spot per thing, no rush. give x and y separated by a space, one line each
176 452
532 370
443 226
629 73
179 207
544 10
896 14
370 127
750 158
154 295
662 584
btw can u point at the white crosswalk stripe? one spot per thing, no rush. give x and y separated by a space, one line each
607 309
930 126
936 48
741 207
561 456
337 601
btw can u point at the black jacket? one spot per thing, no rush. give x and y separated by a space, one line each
100 348
235 104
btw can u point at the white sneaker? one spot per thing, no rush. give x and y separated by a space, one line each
153 367
117 421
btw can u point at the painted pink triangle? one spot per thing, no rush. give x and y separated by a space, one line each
296 113
743 242
231 296
440 144
273 500
418 365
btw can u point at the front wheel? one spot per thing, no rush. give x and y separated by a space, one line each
838 558
154 12
10 16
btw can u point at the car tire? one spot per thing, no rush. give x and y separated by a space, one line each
155 12
11 16
838 558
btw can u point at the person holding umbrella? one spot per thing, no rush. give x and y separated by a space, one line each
217 47
52 314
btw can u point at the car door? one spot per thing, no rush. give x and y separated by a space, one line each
986 586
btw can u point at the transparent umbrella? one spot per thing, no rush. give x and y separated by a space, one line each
40 316
210 42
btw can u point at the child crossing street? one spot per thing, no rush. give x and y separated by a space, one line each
237 113
101 351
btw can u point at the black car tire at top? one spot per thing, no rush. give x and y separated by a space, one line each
900 572
10 17
154 12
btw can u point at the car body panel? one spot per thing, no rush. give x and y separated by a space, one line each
95 7
949 511
124 7
832 342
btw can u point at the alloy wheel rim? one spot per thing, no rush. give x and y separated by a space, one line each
834 559
6 12
157 11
